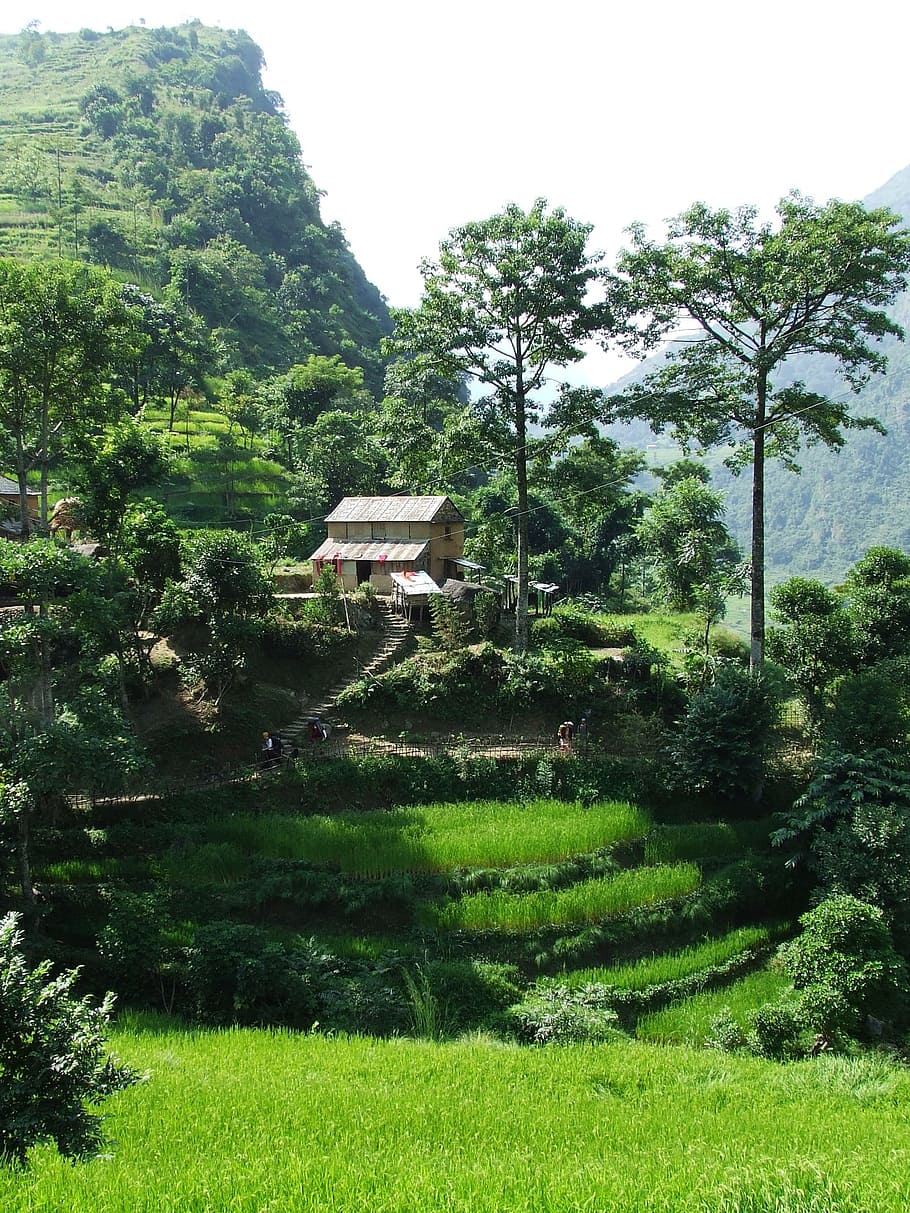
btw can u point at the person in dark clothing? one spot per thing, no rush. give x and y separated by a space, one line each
271 749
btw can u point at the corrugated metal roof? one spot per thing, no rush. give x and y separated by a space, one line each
395 509
417 582
369 549
8 486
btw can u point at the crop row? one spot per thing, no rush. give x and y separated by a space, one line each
662 967
586 902
435 838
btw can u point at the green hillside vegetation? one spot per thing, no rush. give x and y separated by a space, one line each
426 959
157 153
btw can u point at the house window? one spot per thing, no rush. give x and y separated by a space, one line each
447 533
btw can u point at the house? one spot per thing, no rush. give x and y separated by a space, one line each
370 538
10 525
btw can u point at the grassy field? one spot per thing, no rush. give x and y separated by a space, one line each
270 1122
434 838
586 901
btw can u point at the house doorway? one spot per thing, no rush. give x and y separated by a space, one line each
364 568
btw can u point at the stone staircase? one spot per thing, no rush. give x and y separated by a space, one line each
395 632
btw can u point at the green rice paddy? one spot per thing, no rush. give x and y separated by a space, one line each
436 837
587 901
271 1122
672 966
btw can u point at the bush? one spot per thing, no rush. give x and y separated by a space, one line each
870 710
777 1031
298 639
52 1059
238 974
725 1033
472 993
560 1015
720 741
846 965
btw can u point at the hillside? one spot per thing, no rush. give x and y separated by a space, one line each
158 153
822 521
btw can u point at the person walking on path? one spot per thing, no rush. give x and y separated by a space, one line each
564 735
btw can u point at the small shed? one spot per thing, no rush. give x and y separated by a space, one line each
411 592
457 566
10 523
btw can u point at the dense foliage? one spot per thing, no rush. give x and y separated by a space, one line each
52 1057
178 170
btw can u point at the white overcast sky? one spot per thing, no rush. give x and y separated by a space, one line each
415 116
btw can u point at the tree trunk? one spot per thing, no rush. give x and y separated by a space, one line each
24 519
757 651
29 900
521 476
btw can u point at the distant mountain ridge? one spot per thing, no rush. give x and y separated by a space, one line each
822 521
158 153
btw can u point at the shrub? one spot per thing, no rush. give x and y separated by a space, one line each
560 1015
298 639
870 709
845 963
472 993
777 1031
725 1033
238 974
137 943
720 741
52 1059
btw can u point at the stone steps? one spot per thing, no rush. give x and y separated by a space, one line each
397 631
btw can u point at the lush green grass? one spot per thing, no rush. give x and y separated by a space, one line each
670 966
436 838
258 1122
663 631
705 839
73 871
587 901
689 1022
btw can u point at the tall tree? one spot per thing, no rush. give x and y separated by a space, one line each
756 295
684 534
507 300
593 486
64 329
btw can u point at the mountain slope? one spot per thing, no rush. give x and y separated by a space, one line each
158 153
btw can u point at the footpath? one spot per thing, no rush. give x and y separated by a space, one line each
395 634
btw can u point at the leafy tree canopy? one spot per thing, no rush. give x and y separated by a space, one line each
509 300
750 296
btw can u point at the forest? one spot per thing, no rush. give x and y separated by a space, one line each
426 953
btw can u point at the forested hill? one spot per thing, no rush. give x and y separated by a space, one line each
158 153
822 521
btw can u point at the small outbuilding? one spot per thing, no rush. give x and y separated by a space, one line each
10 522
